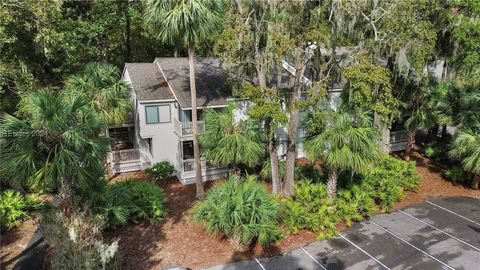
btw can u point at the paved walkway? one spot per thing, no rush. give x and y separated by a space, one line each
437 234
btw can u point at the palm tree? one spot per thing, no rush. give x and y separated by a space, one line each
56 146
228 141
421 117
424 111
466 148
347 143
189 21
101 84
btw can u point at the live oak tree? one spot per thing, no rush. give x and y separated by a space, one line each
189 21
248 45
263 36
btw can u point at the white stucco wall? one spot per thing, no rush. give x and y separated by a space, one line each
164 140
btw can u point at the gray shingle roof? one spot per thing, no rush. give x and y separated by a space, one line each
211 80
148 82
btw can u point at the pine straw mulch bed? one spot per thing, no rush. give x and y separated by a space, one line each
14 241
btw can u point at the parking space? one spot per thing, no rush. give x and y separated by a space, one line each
437 234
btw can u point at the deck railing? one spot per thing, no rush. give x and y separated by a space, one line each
398 136
125 155
186 128
188 165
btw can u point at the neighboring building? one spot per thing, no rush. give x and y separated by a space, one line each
160 128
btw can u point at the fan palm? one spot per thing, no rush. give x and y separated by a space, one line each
56 146
189 21
347 143
241 209
426 111
108 95
227 141
466 148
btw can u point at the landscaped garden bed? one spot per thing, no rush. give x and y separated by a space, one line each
179 241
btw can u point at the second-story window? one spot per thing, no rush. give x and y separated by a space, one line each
157 114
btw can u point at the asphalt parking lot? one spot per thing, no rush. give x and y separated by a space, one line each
437 234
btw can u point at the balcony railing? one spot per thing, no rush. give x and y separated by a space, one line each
186 128
188 165
125 155
398 136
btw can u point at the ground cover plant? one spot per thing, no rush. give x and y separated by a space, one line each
15 208
242 210
456 174
126 201
359 197
310 209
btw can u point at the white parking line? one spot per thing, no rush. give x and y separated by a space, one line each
440 230
359 248
309 255
260 264
406 242
450 211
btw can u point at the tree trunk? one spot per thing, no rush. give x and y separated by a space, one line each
332 183
476 181
408 149
384 134
293 125
196 146
291 153
272 151
272 146
128 44
65 196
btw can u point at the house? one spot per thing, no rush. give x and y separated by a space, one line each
160 128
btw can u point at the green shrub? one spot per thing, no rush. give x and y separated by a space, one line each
456 174
14 208
242 210
149 202
387 181
161 170
404 171
129 200
76 242
354 204
310 209
437 149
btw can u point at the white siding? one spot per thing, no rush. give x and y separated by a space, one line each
164 140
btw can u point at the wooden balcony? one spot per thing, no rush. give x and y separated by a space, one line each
185 129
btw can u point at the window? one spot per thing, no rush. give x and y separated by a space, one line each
157 114
187 147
